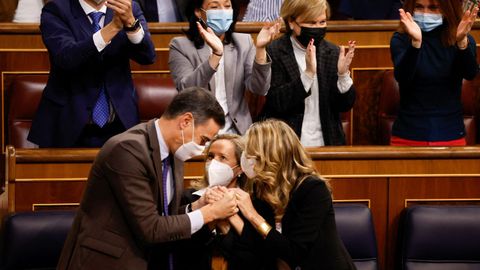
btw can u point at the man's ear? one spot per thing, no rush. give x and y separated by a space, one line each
185 120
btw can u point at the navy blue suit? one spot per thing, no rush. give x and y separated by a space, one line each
78 71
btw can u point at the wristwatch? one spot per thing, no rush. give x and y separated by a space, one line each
133 26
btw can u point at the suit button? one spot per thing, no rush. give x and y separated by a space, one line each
235 120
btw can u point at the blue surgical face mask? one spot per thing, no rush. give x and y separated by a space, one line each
219 20
428 21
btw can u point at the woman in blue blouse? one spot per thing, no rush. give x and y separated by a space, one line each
432 53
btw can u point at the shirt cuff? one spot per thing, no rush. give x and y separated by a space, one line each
137 36
344 82
99 42
196 220
307 81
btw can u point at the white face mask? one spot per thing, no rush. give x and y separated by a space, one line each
219 174
247 165
188 150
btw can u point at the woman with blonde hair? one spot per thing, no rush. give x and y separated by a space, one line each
311 83
222 171
298 202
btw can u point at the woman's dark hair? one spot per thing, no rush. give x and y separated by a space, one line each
192 32
452 14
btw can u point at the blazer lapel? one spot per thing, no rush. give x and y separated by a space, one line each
203 54
323 63
81 18
157 161
288 57
230 69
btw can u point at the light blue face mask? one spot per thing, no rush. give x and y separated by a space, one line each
219 20
427 21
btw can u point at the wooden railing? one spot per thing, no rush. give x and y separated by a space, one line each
386 178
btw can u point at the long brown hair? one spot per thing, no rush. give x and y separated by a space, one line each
282 163
452 15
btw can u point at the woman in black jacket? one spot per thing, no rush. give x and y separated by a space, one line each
295 227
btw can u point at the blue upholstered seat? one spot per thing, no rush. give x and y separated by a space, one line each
34 240
355 226
441 238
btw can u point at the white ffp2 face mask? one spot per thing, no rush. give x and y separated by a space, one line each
188 150
247 165
219 174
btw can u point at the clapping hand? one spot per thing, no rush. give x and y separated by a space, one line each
122 10
345 58
465 26
244 203
212 40
268 33
311 59
411 28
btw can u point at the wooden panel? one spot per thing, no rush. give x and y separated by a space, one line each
383 176
374 190
50 195
365 109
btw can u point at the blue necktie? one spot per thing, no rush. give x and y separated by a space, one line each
101 110
165 168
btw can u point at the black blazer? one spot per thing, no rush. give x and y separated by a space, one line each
309 238
286 96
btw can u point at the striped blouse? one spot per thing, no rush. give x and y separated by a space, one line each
262 10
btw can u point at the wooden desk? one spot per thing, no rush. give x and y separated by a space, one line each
388 179
22 50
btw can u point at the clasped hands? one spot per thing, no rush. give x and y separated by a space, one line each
122 12
227 202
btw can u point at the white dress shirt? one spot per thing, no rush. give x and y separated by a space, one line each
196 217
221 96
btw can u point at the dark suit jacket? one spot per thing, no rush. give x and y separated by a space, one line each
78 71
309 238
118 223
150 10
286 97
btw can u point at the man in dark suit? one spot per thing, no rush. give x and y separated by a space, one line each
164 10
90 96
130 216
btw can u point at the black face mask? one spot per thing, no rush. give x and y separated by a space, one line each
307 33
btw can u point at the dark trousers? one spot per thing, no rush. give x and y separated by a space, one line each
95 136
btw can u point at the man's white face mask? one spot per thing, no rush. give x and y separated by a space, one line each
190 149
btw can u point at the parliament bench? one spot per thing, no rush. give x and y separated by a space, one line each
23 96
155 92
34 240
